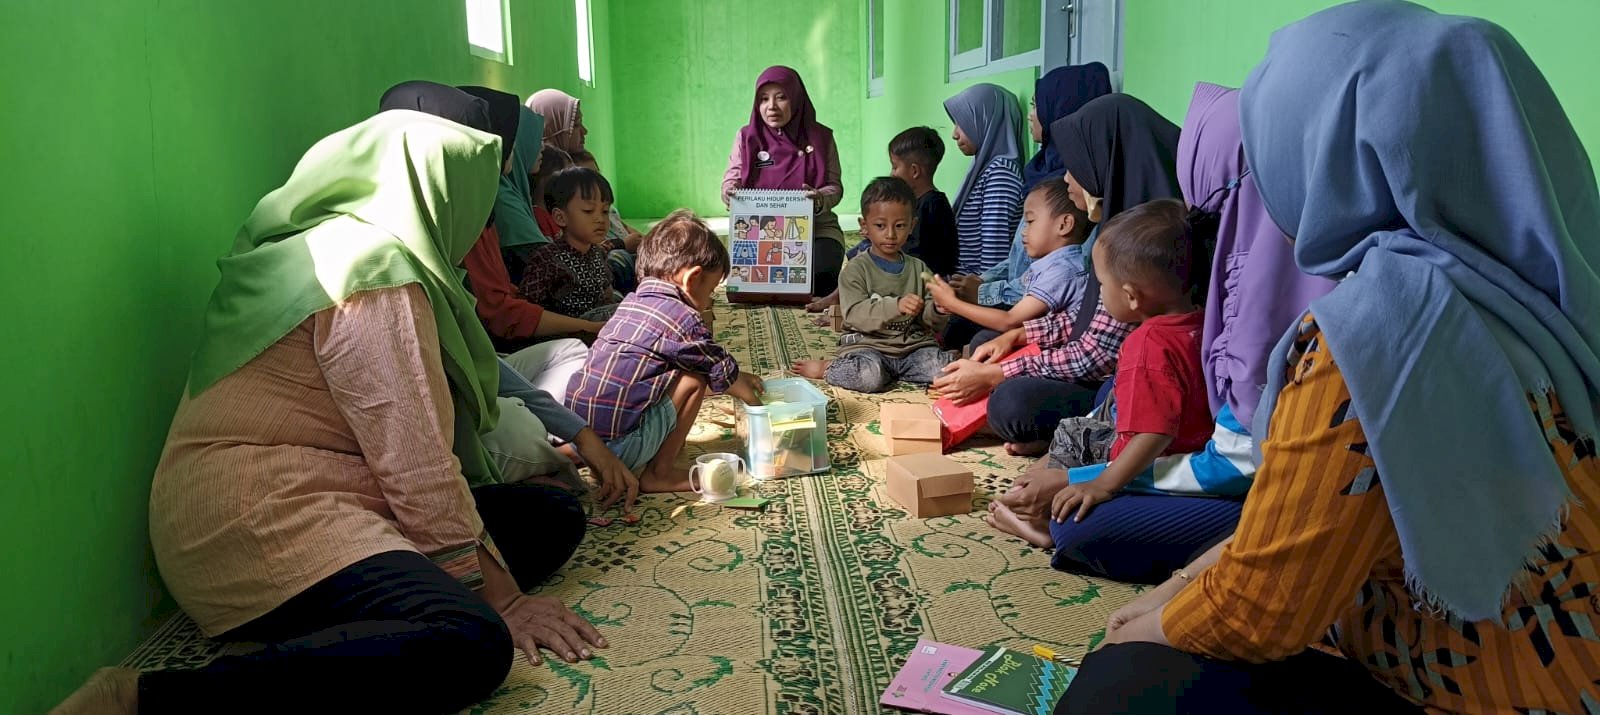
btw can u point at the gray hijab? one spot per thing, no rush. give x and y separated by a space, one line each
987 114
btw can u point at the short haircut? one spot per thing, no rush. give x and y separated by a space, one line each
583 156
1059 201
681 241
552 160
919 145
576 182
1153 244
887 188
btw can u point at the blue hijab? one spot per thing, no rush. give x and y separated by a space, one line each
1059 93
1434 162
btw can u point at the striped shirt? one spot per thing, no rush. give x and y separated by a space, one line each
654 335
989 216
1093 357
1316 554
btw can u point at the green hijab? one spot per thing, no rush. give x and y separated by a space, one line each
399 198
513 215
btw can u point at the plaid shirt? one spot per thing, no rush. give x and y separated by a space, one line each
1092 357
654 335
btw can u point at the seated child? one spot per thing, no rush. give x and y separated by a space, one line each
914 156
888 323
622 241
1141 259
1053 233
569 276
642 384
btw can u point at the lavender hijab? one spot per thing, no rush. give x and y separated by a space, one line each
798 151
1256 293
1434 166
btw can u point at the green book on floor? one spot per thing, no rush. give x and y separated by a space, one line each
1007 681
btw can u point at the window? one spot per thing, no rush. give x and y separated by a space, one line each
489 29
874 48
995 35
585 44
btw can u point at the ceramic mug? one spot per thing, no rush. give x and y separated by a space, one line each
716 476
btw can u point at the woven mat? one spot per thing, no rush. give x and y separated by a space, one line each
808 606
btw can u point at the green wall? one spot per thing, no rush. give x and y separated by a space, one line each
137 136
686 72
1171 44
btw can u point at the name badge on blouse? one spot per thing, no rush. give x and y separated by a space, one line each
763 159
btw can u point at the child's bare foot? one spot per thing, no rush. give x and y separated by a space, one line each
108 691
658 481
814 369
821 304
1004 519
1028 449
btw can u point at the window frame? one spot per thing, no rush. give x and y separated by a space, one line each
583 15
978 62
503 56
875 73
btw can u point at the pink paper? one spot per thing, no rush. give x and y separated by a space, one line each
919 685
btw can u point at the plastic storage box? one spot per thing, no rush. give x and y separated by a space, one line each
788 435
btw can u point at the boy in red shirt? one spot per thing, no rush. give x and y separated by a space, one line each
1142 260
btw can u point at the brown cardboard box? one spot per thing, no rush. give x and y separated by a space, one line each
836 318
929 485
910 429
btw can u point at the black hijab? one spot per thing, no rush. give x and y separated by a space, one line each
439 100
1120 150
505 111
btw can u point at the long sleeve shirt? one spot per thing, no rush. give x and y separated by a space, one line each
504 312
1092 357
988 218
1316 554
654 334
828 194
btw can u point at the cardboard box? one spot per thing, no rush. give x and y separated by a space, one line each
905 421
836 318
898 446
929 485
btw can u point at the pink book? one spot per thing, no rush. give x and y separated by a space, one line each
919 684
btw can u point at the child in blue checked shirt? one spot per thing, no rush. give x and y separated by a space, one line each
653 362
1053 233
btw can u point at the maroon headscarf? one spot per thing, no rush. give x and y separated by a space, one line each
798 152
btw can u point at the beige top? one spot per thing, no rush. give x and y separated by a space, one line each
331 446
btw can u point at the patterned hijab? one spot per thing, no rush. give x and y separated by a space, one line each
1256 292
560 112
1060 92
1434 162
399 198
790 157
988 115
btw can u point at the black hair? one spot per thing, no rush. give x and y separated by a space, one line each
887 188
919 145
576 182
681 241
1155 242
1059 201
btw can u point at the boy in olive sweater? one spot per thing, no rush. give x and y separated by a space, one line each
889 322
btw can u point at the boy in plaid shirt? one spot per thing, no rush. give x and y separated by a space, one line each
653 362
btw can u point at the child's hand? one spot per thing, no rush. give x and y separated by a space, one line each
910 304
747 387
999 347
943 294
1080 497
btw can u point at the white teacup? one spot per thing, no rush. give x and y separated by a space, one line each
717 476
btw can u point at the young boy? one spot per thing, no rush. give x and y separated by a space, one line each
1053 233
1160 403
914 156
888 323
641 387
622 241
569 275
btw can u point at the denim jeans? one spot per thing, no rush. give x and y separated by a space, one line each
868 370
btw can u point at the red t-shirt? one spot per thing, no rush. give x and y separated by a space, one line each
1160 388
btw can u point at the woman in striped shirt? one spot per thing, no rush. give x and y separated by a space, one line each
989 129
1428 500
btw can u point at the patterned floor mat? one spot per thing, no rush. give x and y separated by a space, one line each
808 606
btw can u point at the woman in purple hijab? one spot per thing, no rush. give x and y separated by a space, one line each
784 147
1255 294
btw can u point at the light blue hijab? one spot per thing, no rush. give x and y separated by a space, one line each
1427 154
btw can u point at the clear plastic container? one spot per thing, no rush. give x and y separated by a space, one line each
788 435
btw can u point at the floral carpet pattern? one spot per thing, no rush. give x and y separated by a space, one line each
808 605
